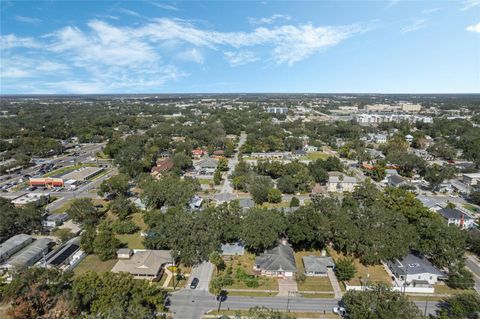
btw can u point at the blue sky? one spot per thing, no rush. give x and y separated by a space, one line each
231 46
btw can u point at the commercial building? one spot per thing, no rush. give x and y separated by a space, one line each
272 155
46 182
143 264
13 245
374 119
29 255
277 110
410 107
83 174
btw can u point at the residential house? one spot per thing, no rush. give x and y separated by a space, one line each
197 153
339 182
456 217
409 138
54 220
272 156
317 265
310 148
397 181
143 264
206 166
163 166
246 203
276 262
218 153
229 251
471 179
66 256
414 270
380 138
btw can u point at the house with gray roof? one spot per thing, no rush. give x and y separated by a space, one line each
397 181
276 262
206 166
29 255
317 265
415 270
339 182
456 217
232 250
143 264
246 203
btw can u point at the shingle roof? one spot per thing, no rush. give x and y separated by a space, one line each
148 262
452 213
280 258
414 264
317 263
396 179
207 163
235 249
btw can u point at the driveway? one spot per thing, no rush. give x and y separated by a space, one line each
204 273
287 287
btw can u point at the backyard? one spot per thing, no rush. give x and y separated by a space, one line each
93 263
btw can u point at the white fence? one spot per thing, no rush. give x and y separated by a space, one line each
418 290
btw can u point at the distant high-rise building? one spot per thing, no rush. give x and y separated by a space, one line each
277 110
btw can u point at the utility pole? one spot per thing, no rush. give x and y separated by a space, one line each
288 300
426 305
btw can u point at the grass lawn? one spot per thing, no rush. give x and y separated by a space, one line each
311 283
93 263
205 181
444 289
133 241
295 314
327 295
276 205
247 260
471 208
137 218
66 169
251 293
376 273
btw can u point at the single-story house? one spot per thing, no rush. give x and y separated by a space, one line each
457 217
397 181
206 166
232 250
197 153
55 220
163 166
310 148
415 270
276 262
246 203
317 265
339 182
143 264
195 202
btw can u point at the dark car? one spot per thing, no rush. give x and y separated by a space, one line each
194 283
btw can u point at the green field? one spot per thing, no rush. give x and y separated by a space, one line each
93 263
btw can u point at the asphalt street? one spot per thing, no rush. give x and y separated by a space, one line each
473 264
192 304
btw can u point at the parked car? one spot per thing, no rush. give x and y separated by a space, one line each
194 283
340 311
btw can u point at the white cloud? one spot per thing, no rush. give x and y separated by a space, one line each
415 26
430 11
474 28
14 67
391 3
289 43
240 58
469 4
191 55
129 12
165 6
11 41
28 20
268 20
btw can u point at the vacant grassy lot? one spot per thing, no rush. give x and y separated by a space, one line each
92 263
276 205
376 274
246 261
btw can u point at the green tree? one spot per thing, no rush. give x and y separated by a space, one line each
294 202
216 259
87 239
379 302
84 212
222 164
436 174
116 295
17 220
274 196
217 177
459 277
182 161
286 184
307 228
105 243
261 228
345 269
461 306
116 185
259 188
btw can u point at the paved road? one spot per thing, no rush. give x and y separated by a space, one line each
473 264
227 185
203 272
190 304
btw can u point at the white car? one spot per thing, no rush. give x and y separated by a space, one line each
340 311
